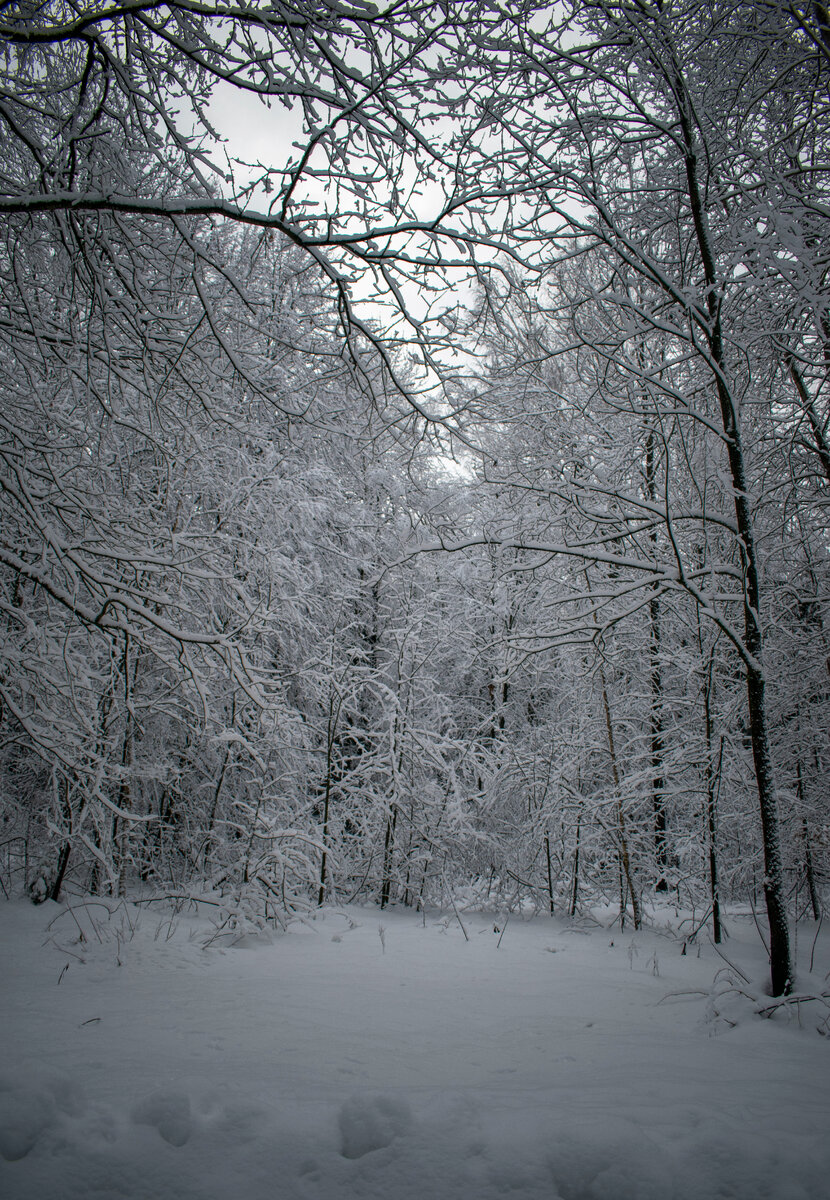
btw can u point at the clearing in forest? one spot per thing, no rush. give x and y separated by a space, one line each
389 1054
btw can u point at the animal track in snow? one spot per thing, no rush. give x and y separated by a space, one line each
370 1123
169 1113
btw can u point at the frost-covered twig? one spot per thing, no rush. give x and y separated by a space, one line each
680 995
758 927
769 1010
458 918
728 962
815 939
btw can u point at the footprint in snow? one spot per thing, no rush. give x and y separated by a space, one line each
31 1101
370 1123
24 1114
169 1113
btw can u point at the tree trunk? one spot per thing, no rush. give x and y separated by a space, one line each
711 829
550 874
334 714
811 876
625 857
54 892
388 855
656 713
781 966
808 852
575 888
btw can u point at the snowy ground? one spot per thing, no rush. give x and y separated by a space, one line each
333 1062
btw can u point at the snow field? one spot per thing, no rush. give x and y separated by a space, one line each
367 1054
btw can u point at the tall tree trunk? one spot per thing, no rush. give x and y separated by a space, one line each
550 874
781 965
656 700
712 785
54 891
622 832
712 778
388 855
334 714
575 888
321 892
217 792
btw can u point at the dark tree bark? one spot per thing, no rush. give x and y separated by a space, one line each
781 965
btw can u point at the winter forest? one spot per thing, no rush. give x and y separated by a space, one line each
441 504
427 508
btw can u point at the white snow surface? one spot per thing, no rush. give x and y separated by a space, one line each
566 1063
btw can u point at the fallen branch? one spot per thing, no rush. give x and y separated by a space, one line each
770 1009
679 995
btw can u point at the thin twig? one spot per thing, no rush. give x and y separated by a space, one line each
815 939
189 899
675 995
768 1009
758 927
458 918
737 970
